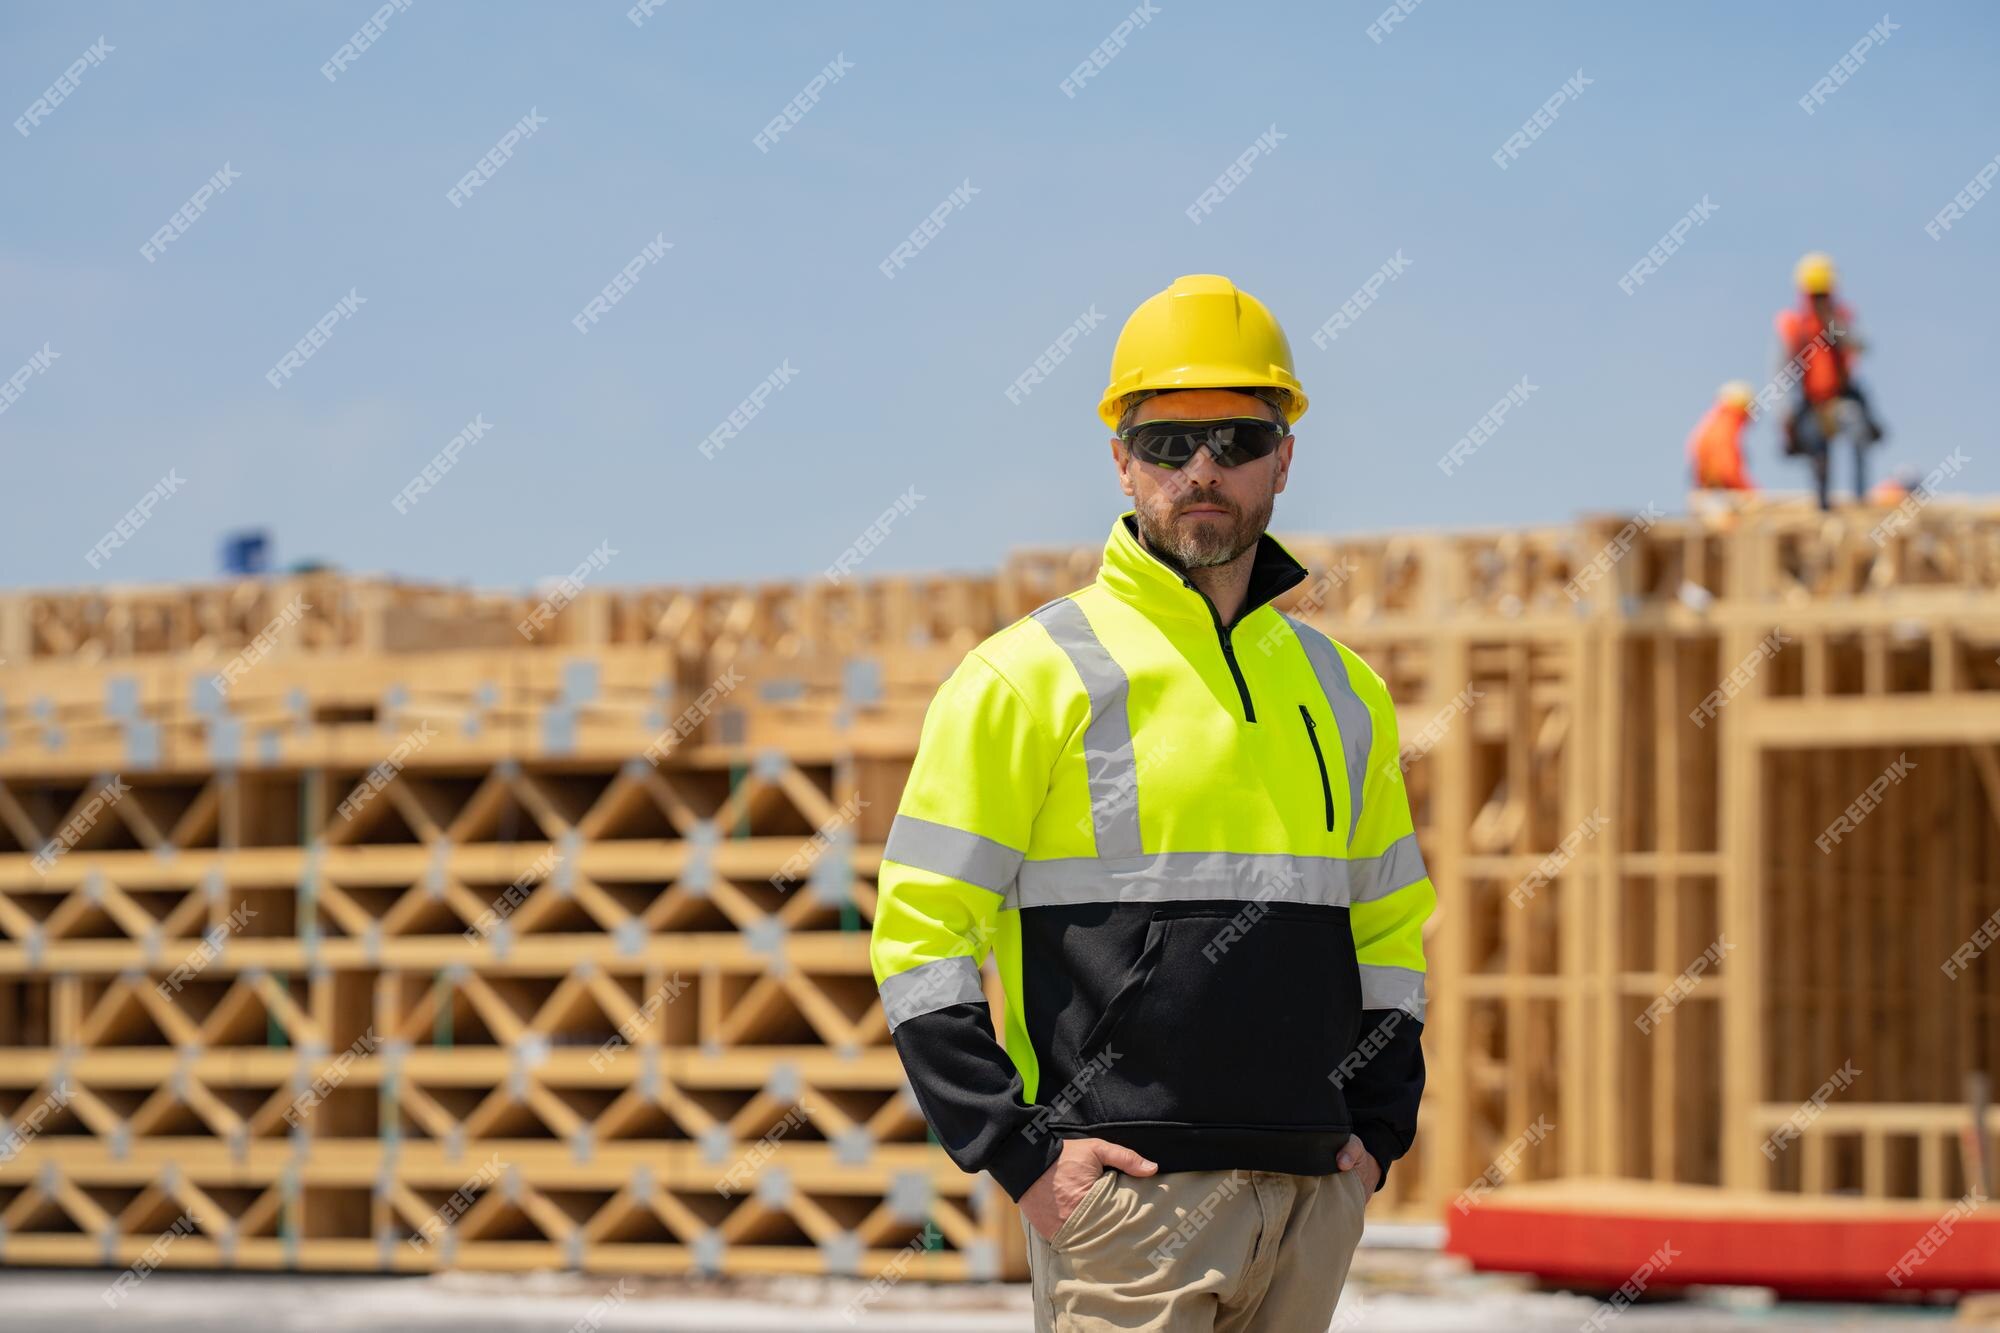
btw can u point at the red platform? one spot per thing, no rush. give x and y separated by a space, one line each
1598 1233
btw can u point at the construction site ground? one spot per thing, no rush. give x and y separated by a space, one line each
1396 1290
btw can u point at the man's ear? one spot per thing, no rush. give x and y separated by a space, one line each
1119 459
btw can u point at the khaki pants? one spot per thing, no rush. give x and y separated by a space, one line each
1199 1252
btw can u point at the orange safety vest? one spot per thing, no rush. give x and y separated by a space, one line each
1715 450
1825 368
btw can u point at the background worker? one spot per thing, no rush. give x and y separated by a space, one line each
1177 818
1818 344
1715 447
1892 491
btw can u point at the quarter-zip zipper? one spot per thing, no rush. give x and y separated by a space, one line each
1325 786
1228 652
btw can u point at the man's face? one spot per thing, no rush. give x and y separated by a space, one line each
1203 513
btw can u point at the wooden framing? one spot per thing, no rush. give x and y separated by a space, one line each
458 938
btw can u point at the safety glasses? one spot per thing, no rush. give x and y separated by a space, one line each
1231 441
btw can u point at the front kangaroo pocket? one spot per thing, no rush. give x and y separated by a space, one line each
1233 1014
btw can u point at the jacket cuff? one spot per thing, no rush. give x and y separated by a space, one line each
1019 1163
1382 1143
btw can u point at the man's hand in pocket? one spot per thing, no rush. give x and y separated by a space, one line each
1354 1157
1050 1200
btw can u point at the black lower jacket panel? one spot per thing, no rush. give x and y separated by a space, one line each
1202 1034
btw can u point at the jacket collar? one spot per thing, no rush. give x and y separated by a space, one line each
1136 575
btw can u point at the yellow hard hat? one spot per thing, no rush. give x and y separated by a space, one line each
1814 274
1737 393
1201 333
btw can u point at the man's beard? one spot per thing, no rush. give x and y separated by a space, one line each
1203 542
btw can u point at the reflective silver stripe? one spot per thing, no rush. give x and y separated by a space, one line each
1324 881
928 987
954 853
1107 741
1398 868
1384 987
1183 877
1357 725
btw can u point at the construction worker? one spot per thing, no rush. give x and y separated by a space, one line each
1176 817
1818 344
1715 448
1893 490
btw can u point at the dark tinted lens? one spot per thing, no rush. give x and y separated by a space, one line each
1172 443
1166 443
1240 441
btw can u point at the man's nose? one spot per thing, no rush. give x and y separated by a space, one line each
1202 470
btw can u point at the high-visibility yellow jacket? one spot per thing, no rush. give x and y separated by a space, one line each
1189 848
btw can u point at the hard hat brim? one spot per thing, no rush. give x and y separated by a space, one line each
1198 377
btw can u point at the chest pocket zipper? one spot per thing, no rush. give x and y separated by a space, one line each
1325 786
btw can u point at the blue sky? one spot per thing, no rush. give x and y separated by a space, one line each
899 385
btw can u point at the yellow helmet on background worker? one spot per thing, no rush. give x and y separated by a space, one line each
1814 274
1204 332
1736 393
